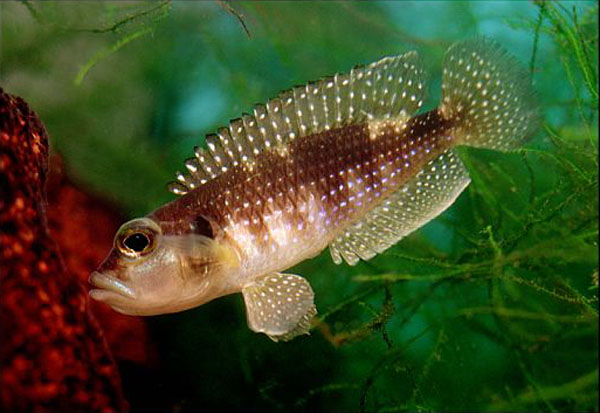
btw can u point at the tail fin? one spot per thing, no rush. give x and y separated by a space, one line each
487 96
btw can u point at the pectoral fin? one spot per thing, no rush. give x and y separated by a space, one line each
279 305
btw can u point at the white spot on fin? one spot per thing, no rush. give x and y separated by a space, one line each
279 305
389 88
423 198
490 97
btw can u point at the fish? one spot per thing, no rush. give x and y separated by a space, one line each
346 163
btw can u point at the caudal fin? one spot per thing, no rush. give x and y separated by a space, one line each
487 95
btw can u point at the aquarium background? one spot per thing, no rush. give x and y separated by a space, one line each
492 306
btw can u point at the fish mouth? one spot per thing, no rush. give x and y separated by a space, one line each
108 284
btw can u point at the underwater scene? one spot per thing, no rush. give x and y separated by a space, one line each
299 206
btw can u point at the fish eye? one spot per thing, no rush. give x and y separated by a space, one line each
137 241
137 238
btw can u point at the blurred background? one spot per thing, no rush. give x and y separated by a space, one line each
492 306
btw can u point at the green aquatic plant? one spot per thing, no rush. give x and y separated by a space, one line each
492 306
520 271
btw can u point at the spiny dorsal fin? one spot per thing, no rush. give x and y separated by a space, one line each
389 88
423 198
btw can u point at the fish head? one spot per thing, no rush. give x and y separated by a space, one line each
149 273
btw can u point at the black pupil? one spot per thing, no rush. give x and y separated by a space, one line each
137 242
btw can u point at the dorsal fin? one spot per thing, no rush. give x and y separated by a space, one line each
392 87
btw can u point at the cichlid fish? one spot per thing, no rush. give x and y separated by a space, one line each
344 162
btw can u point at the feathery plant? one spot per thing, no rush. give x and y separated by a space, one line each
492 306
518 272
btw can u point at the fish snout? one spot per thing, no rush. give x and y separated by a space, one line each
105 281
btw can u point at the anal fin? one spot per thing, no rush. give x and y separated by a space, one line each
279 305
421 199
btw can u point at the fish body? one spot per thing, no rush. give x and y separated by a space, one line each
289 206
343 163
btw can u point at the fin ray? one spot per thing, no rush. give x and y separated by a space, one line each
423 198
389 88
279 305
489 96
276 120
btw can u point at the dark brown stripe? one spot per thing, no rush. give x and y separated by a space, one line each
322 159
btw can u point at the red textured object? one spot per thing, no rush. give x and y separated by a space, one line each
54 356
77 219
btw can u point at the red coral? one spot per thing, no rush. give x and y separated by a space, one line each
53 354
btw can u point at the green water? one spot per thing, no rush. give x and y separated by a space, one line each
492 306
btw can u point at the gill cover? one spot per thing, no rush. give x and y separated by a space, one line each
149 273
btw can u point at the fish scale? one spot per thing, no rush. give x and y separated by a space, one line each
386 160
344 162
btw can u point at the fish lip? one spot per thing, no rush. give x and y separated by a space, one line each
107 282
